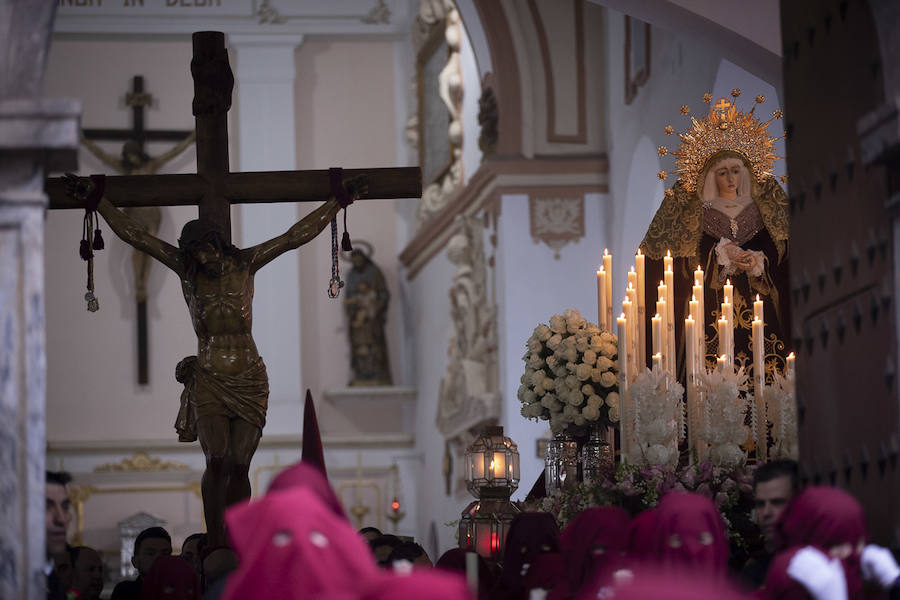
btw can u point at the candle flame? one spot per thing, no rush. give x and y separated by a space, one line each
622 316
689 318
630 286
638 252
699 270
668 254
727 282
632 270
757 297
790 356
606 252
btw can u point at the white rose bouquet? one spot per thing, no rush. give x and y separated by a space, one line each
571 373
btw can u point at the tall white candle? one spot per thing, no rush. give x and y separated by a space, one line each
694 312
728 313
663 343
640 269
669 278
668 261
655 333
607 266
723 336
690 349
657 362
631 315
625 413
758 309
790 373
701 321
601 298
728 290
759 384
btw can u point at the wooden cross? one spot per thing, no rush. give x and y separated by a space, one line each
137 99
214 188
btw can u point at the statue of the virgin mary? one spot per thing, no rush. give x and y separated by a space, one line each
728 215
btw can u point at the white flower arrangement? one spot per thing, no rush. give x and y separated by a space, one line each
571 373
659 418
725 408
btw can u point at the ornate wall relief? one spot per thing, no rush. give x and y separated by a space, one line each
556 221
469 396
435 131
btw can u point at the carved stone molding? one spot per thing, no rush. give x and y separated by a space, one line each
469 395
143 462
532 177
435 131
556 220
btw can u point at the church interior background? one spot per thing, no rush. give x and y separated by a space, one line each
536 124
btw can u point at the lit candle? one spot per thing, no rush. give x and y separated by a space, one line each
668 261
657 362
789 371
694 312
729 291
624 401
622 323
663 344
722 362
655 329
723 336
607 266
701 320
629 307
758 309
641 329
728 312
601 298
669 277
498 465
759 384
690 348
628 310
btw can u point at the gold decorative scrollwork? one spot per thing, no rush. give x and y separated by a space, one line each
142 462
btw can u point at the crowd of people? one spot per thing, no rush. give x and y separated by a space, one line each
296 542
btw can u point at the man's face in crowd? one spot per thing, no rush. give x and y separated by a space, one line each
147 552
189 553
88 577
771 497
59 514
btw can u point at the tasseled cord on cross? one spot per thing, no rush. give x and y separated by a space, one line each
91 238
335 176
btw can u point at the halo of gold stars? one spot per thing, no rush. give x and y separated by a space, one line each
723 128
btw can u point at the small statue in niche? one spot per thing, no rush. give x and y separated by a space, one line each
366 304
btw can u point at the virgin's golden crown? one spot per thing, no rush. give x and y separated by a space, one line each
724 128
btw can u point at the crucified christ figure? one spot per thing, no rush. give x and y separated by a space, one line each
226 386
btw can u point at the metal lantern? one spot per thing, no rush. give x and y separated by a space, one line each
492 475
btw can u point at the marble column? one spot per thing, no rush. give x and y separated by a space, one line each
36 135
265 110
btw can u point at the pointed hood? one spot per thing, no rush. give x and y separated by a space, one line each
312 452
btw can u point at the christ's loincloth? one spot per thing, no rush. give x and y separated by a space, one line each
244 396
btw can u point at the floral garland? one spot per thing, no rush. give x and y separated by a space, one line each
571 373
637 489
